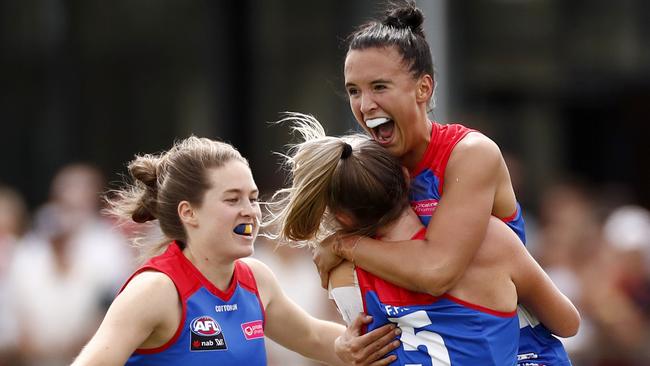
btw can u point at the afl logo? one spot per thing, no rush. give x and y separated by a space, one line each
205 326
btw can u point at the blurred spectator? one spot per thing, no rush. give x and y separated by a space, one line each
627 230
568 243
619 301
603 268
66 270
299 279
13 221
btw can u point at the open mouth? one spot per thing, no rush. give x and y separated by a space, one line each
244 229
382 129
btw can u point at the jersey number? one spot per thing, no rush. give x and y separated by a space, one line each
411 340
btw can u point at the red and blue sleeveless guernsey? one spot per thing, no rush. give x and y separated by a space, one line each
217 327
537 346
440 331
427 179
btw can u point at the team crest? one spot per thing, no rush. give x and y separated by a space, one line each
206 335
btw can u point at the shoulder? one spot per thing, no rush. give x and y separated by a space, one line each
503 240
149 287
475 140
264 277
267 284
477 148
133 306
260 270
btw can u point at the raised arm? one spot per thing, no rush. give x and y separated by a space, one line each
455 231
293 328
131 320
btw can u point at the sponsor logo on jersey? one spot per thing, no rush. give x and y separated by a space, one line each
207 335
425 207
224 308
527 356
253 330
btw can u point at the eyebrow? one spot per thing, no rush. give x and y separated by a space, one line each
237 190
374 82
381 81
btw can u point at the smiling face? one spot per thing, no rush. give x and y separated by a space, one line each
381 88
229 204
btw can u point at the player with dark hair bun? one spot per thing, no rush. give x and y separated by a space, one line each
352 185
456 172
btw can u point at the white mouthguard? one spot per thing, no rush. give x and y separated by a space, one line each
372 123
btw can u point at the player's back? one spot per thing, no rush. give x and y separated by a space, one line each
445 330
441 330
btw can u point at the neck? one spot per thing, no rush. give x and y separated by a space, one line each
404 228
420 144
215 269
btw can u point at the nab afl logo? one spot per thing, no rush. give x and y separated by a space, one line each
205 326
206 335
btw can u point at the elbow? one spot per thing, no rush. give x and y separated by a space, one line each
436 282
570 326
574 325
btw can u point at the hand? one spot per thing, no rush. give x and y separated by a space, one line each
367 349
326 259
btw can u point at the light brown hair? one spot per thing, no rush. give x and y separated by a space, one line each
365 183
162 181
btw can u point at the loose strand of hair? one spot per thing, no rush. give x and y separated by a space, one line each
297 213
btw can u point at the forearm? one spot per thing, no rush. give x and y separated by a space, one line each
553 309
408 264
321 342
537 292
294 329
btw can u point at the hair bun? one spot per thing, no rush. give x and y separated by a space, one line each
142 215
406 16
144 169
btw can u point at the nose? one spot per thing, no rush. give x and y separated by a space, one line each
367 103
249 208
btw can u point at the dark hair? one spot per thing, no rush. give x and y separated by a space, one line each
352 174
401 28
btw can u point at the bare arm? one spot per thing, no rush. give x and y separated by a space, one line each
293 328
131 320
539 294
455 231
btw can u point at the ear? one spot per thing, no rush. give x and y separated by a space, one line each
187 214
425 87
346 220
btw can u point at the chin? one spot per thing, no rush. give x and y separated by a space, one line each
245 252
395 150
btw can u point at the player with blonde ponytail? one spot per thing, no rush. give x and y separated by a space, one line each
459 179
201 302
356 187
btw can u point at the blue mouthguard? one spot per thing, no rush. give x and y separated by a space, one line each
244 229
